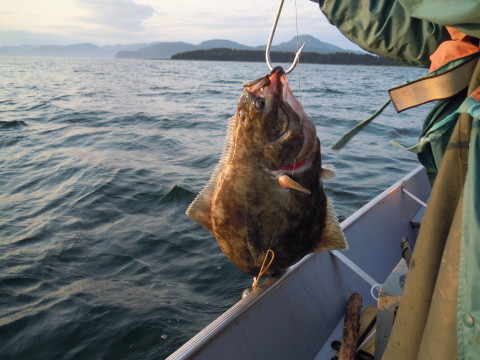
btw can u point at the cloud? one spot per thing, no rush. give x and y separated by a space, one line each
248 23
122 15
105 22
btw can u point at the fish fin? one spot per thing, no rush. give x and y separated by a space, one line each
333 237
328 172
200 210
287 182
201 207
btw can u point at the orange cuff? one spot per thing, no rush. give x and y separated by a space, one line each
456 34
452 49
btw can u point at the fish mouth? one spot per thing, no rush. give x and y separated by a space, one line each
291 109
296 165
299 165
308 153
288 154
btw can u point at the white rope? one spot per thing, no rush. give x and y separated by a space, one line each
374 287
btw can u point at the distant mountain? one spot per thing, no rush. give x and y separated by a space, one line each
114 49
167 50
75 50
159 50
15 50
215 44
312 45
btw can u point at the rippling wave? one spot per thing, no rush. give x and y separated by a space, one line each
100 159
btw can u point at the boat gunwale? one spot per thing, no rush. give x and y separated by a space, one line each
379 198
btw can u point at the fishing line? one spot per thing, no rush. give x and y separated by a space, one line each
263 268
299 66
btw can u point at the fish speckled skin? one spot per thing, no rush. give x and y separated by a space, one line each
245 206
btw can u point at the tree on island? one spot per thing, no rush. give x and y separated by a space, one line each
340 58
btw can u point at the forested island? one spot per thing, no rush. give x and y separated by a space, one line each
340 58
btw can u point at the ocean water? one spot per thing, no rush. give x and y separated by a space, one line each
99 160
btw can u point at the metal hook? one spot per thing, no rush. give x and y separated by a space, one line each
270 39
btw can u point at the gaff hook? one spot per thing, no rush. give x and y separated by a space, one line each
270 39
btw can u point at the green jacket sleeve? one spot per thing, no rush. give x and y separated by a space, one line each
463 15
387 28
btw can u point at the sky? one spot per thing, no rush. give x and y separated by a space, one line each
110 22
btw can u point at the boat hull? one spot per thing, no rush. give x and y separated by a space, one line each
294 315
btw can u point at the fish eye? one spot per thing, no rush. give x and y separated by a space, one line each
259 103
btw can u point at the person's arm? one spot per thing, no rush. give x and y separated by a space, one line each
463 15
386 28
